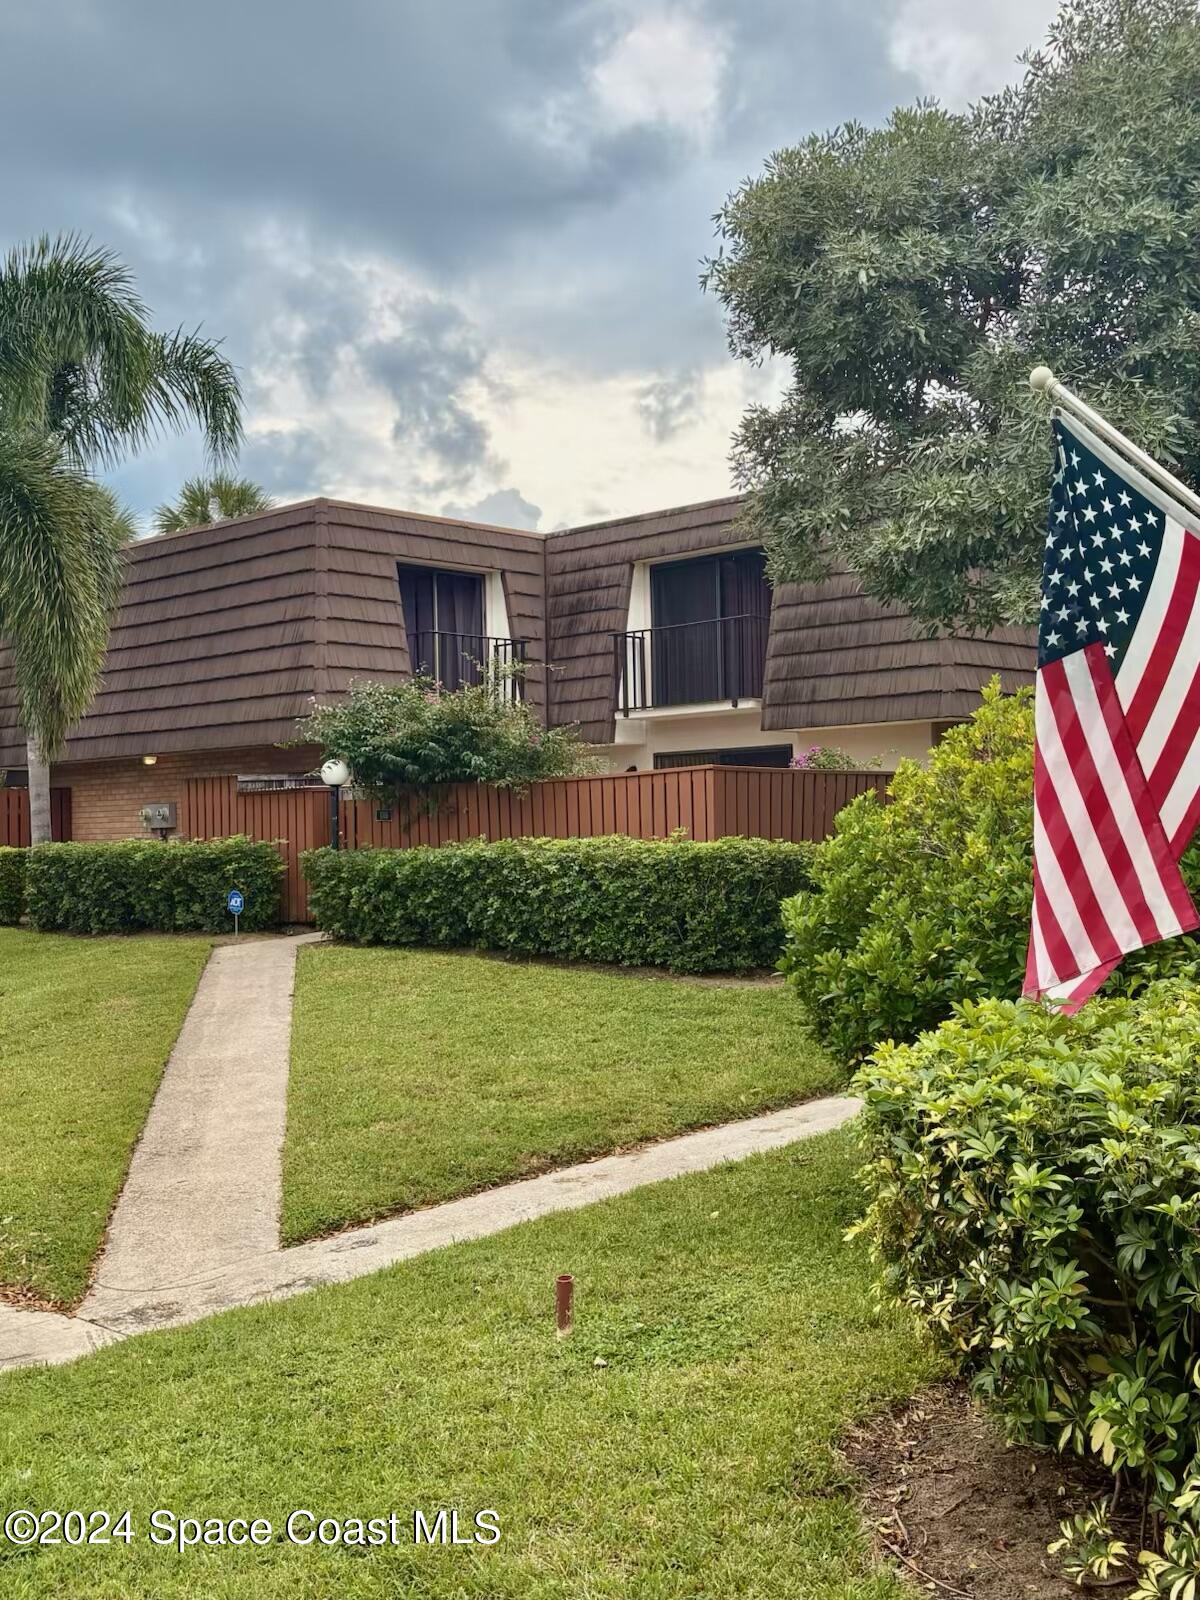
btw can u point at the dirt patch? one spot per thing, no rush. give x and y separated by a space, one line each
959 1511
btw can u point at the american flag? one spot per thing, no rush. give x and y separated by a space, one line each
1117 762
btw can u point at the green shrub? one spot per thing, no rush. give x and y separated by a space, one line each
394 736
143 884
925 901
671 903
1034 1197
12 886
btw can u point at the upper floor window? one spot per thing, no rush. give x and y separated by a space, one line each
708 588
709 619
444 620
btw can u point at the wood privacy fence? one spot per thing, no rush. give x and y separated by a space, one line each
294 819
706 802
14 815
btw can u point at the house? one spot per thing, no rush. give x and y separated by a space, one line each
668 646
658 635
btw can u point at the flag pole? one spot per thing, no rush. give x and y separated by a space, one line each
1043 381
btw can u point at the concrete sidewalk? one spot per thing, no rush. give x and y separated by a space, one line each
196 1229
116 1310
204 1186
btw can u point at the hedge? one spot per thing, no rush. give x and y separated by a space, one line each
1034 1188
12 885
672 903
142 884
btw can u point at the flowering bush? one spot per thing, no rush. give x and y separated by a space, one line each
831 758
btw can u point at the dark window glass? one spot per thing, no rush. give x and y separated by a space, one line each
767 755
709 620
443 617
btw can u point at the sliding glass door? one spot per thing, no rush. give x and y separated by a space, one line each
709 620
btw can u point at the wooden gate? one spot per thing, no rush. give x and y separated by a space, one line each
14 816
294 819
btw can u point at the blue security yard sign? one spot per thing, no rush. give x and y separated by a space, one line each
236 902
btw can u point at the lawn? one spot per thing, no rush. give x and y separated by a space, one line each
86 1026
419 1076
739 1338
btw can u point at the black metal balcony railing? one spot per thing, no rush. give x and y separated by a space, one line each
455 659
690 663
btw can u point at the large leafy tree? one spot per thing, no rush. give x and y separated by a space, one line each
913 274
203 501
84 380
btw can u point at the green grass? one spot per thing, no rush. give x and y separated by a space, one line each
418 1076
86 1026
697 1465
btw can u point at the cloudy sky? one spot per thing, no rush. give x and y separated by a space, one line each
453 249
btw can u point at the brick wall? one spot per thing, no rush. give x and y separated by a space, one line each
106 796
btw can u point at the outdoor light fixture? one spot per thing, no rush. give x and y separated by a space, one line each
149 761
335 773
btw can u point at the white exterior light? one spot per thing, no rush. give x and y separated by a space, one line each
336 774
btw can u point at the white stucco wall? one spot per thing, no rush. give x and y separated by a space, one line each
495 607
639 739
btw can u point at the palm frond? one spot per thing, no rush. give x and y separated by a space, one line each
203 501
78 357
75 353
60 537
191 379
83 380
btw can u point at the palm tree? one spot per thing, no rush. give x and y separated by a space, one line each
60 537
203 501
84 380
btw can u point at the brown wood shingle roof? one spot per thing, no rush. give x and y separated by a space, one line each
214 643
224 634
589 574
834 657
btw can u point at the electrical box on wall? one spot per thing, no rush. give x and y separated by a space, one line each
161 817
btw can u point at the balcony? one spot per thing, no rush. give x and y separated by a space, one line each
456 659
690 663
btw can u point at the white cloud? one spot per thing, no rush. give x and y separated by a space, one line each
666 68
367 380
566 446
960 49
659 70
578 446
480 291
506 508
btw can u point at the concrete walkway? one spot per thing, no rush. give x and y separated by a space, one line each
204 1186
196 1229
